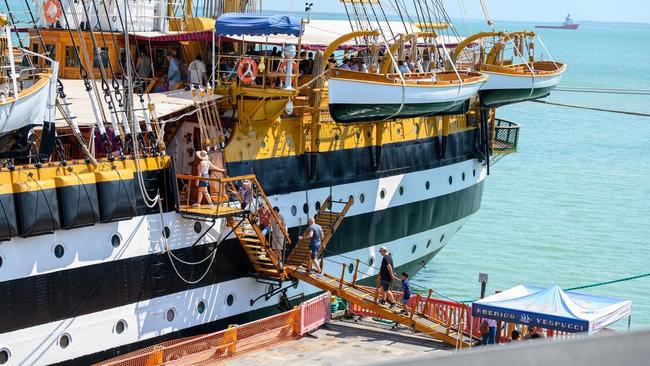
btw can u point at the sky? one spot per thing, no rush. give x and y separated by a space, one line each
525 10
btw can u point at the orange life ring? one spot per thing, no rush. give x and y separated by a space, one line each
52 11
247 70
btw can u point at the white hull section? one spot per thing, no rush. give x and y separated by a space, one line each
498 81
343 91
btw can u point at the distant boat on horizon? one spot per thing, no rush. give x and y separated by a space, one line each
568 24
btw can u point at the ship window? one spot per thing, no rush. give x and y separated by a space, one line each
442 237
463 176
200 307
71 59
4 356
427 185
351 268
197 227
1 261
317 205
305 207
167 232
414 248
382 194
116 240
64 341
59 250
474 172
401 190
170 314
451 180
362 197
120 326
428 243
371 261
104 57
294 210
230 299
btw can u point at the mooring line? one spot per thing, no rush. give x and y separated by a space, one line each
638 114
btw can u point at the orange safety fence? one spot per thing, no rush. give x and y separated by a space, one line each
237 339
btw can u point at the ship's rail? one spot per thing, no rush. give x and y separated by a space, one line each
505 136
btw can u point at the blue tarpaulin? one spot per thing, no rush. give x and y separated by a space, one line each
553 308
238 24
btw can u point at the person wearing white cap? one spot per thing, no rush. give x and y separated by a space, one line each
204 168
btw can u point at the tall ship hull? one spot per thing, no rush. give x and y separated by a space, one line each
124 216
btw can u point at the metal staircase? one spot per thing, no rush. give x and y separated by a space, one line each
329 220
257 248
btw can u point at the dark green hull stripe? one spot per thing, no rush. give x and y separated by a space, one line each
352 113
74 292
498 98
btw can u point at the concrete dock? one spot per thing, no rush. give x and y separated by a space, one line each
345 342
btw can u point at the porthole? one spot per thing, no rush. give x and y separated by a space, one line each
4 356
305 208
428 243
401 190
230 299
197 227
371 261
200 307
317 206
474 172
442 237
451 180
120 326
116 240
167 232
414 248
427 185
170 314
362 197
64 341
294 210
382 194
295 285
1 261
59 250
399 131
263 144
463 176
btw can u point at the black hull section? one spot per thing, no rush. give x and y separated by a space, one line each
500 97
352 113
318 170
412 268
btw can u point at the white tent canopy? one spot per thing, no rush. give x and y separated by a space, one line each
553 308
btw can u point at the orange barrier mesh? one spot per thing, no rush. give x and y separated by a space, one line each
214 347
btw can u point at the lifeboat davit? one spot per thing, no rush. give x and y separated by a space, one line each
359 96
519 83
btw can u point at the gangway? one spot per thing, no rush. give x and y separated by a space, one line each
363 297
244 221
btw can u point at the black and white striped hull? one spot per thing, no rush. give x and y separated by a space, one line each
95 285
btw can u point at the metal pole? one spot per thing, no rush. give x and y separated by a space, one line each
12 65
214 75
629 322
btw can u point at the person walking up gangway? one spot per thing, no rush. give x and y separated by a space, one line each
315 235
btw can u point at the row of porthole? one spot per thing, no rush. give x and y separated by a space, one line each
115 241
65 339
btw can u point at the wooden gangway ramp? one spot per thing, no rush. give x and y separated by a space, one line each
368 299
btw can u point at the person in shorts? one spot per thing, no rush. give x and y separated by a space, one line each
406 291
386 276
315 235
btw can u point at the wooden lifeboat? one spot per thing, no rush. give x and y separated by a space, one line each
518 83
29 108
358 96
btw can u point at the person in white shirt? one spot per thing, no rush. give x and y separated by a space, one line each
402 67
204 168
197 72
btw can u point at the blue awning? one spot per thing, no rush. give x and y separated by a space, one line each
239 24
552 308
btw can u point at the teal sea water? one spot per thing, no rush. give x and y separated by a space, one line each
573 206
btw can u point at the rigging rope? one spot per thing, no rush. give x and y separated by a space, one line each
639 114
